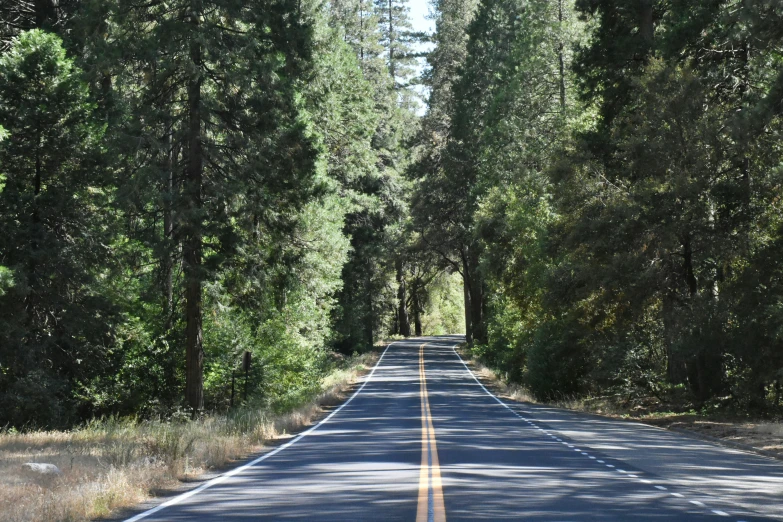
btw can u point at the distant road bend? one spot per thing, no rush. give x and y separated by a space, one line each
423 440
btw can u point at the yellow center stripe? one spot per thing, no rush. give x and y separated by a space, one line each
430 508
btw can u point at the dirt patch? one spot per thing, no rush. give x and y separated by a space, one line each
762 435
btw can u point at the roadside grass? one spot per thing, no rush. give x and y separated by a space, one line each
507 390
114 463
735 427
769 428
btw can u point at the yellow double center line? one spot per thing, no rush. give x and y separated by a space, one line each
430 508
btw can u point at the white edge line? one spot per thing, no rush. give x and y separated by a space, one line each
235 471
470 372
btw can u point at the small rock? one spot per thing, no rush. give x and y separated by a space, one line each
49 470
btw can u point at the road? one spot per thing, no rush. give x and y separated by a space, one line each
423 440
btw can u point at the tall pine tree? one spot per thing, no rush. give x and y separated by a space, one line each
56 327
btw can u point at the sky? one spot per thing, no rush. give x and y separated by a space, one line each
419 11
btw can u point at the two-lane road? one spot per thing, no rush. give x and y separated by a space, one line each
423 440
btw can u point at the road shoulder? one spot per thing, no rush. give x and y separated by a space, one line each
753 435
194 482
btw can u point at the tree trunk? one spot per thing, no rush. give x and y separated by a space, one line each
391 46
690 277
561 57
45 14
167 264
705 368
477 310
416 310
744 88
35 234
369 332
646 24
402 298
675 370
467 294
192 245
476 289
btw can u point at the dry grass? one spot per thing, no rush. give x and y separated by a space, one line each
774 429
115 463
766 436
504 389
516 392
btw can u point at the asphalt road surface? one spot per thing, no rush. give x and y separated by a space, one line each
423 440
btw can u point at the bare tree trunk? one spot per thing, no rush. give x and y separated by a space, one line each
693 366
746 178
192 246
477 311
674 366
36 234
690 277
476 300
704 367
370 331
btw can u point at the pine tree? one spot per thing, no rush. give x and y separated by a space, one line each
622 43
374 225
17 16
398 39
451 39
445 61
222 79
453 187
52 233
358 22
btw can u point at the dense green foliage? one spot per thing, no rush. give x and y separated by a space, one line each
182 182
53 239
607 176
593 196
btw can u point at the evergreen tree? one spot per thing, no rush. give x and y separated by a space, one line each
398 39
621 44
454 190
243 147
429 198
714 165
56 325
17 16
367 306
451 39
358 21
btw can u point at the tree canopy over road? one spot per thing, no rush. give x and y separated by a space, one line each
593 195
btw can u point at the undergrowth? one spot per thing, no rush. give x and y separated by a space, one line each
112 463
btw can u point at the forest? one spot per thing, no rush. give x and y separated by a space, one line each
590 190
